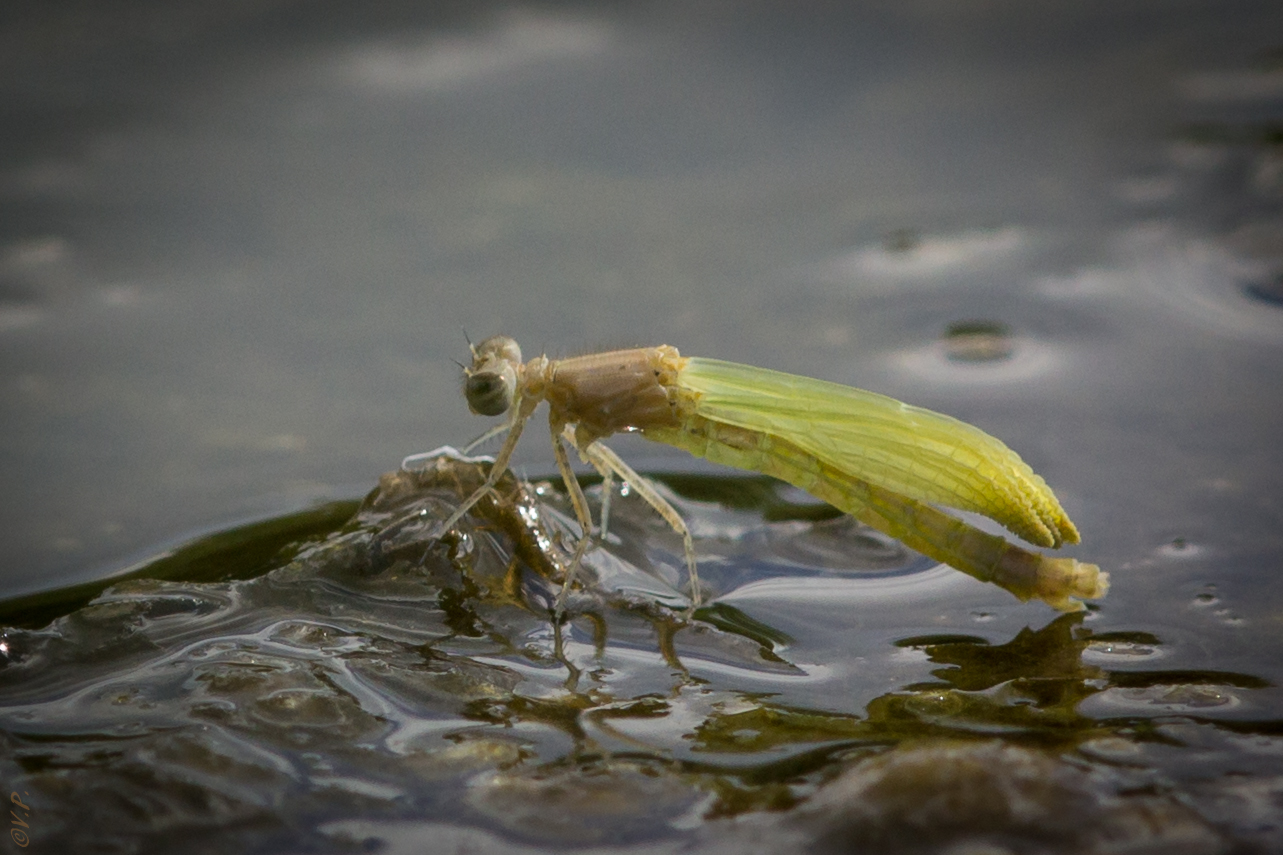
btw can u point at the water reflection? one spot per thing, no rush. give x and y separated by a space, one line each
448 63
369 672
905 256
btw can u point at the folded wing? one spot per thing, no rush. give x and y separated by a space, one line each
925 455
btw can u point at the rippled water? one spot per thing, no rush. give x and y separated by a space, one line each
236 247
369 683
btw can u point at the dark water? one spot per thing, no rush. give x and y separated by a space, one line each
236 248
379 689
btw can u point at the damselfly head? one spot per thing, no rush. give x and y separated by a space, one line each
490 385
497 347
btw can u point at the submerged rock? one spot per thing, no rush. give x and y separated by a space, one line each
993 797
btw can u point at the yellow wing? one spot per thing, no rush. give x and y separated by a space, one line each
915 452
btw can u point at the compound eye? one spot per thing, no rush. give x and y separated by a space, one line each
490 393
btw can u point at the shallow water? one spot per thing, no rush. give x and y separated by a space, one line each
378 688
235 250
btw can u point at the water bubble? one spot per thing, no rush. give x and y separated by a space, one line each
1161 699
980 353
978 341
1207 596
1119 652
1179 547
1228 617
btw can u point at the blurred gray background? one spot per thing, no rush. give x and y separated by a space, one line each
240 242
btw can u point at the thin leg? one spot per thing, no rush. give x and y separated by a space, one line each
580 503
607 480
490 434
608 461
496 471
577 498
607 493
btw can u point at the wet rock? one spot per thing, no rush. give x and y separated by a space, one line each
993 797
609 801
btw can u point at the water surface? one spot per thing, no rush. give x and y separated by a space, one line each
237 247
